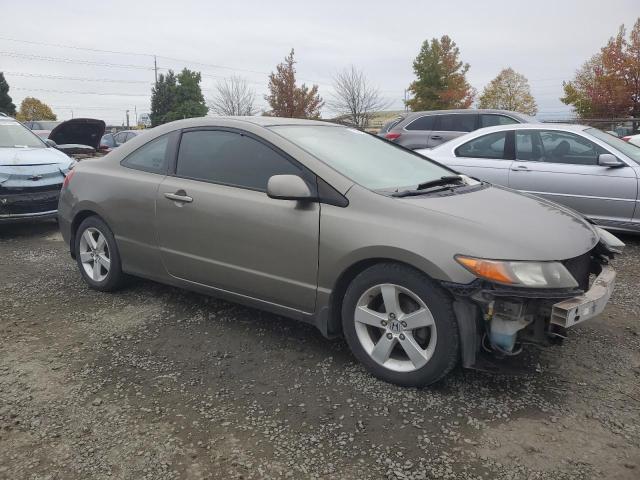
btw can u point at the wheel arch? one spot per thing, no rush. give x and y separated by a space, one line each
334 317
78 218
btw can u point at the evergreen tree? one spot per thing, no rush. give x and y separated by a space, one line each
441 77
6 104
163 98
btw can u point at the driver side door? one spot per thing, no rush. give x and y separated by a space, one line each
563 167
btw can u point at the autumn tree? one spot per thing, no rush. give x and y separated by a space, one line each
441 77
355 97
175 97
608 84
6 104
509 91
33 109
233 98
288 100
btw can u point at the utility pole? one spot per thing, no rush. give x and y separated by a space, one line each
155 68
127 119
406 107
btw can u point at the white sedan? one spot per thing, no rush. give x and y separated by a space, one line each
581 167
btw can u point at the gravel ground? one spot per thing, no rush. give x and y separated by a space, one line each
156 383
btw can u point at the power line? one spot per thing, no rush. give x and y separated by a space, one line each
44 44
70 60
84 79
84 93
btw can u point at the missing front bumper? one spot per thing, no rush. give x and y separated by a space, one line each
588 305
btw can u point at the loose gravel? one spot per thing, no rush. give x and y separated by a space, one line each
157 383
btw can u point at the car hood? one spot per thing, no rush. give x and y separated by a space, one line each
11 157
496 222
83 131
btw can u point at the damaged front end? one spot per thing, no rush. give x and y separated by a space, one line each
538 306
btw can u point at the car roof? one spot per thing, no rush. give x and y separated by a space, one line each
533 126
262 121
466 110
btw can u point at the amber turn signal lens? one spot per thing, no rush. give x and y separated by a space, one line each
487 269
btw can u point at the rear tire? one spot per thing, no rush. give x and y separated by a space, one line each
400 325
97 255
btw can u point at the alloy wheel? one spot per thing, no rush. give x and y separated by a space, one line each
395 327
94 254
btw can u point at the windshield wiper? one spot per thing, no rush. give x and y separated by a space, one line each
442 181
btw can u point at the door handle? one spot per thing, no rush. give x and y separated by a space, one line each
521 168
436 137
176 197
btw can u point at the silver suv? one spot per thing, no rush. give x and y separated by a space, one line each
429 129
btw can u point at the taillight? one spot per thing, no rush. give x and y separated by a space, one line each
626 139
67 178
392 136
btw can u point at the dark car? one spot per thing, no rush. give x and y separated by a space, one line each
429 129
125 135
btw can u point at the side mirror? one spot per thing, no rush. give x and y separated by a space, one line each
609 160
288 187
50 143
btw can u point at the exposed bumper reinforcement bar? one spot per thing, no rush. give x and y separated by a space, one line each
591 303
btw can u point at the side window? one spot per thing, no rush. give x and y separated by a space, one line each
491 120
487 146
528 145
565 147
422 123
230 158
460 122
151 157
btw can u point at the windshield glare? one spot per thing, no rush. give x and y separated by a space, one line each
363 158
629 149
14 135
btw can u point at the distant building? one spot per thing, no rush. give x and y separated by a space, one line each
144 120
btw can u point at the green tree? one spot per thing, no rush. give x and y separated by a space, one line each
441 77
189 99
163 98
33 109
288 100
608 84
509 91
175 97
6 104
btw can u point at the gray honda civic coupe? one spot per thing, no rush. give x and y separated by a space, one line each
418 267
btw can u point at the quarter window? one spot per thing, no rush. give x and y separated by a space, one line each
487 146
151 157
422 123
461 122
230 158
491 120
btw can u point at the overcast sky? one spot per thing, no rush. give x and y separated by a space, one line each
544 40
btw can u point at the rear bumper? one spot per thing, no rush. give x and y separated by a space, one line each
27 217
588 305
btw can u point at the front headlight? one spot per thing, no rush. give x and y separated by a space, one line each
520 274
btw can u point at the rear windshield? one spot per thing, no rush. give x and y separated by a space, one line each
14 135
629 149
366 159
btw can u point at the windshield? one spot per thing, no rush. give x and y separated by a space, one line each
45 125
365 159
14 135
629 149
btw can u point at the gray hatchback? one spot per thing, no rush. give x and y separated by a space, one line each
429 129
418 267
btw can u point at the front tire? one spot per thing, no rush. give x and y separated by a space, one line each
400 325
97 255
